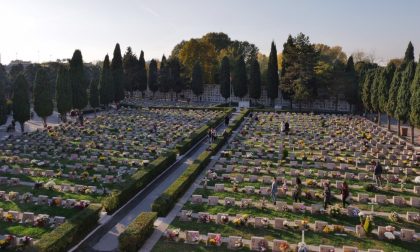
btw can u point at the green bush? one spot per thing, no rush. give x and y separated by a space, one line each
133 238
70 232
285 154
138 181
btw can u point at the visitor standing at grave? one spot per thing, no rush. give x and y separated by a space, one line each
81 119
227 120
274 188
286 127
378 173
297 191
327 195
344 193
210 135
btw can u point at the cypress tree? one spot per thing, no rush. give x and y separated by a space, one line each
351 89
393 92
163 78
255 80
366 90
153 77
63 93
272 74
175 73
21 106
409 53
142 74
374 94
415 103
78 81
197 80
3 105
43 104
402 110
106 85
117 74
94 94
224 78
239 80
383 90
131 67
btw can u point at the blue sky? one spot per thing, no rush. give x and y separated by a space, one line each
40 30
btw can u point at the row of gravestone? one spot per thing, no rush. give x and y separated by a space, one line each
28 198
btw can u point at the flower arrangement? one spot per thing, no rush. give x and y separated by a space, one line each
244 204
310 182
9 217
308 194
215 241
265 222
338 228
238 243
224 219
12 195
241 221
26 240
204 218
172 234
327 229
262 245
26 197
4 243
335 210
235 186
367 223
229 202
41 221
390 229
394 217
284 246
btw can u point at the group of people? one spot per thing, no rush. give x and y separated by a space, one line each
297 192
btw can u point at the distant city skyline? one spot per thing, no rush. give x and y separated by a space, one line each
46 30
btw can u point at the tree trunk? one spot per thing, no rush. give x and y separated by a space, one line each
44 119
22 127
412 134
399 127
389 123
379 118
291 104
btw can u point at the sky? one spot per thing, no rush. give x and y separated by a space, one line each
45 30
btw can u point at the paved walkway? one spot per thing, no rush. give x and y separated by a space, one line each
162 223
109 240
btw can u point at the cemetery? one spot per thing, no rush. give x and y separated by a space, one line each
54 175
233 207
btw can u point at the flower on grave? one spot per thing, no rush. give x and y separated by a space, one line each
26 240
204 218
389 229
327 229
41 221
224 219
244 204
284 246
310 182
394 217
4 243
335 210
238 243
263 203
12 195
172 234
302 247
50 184
265 222
262 246
9 217
338 228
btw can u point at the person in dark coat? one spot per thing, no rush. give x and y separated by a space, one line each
327 195
378 173
345 192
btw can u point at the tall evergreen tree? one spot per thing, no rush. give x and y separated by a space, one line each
63 93
117 74
402 110
164 78
255 80
374 93
78 81
351 90
142 74
106 85
152 81
409 53
393 93
272 74
21 106
131 71
383 90
94 94
43 100
175 73
239 79
224 78
415 102
3 104
366 90
197 80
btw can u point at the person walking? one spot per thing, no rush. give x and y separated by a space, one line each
227 120
210 135
297 191
274 189
345 193
378 173
327 195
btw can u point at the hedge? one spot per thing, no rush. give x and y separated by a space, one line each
133 238
70 232
138 181
167 200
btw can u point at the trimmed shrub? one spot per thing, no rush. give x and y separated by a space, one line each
70 232
133 238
